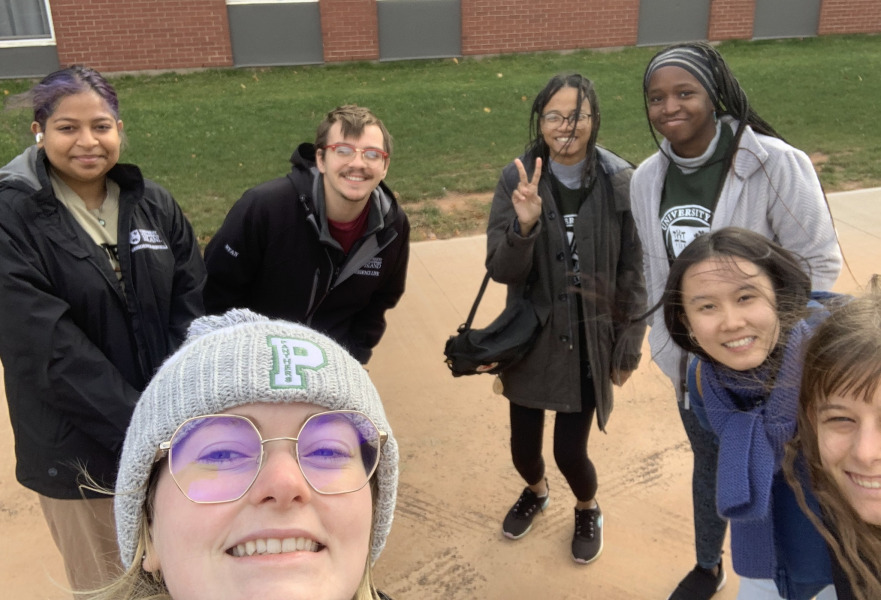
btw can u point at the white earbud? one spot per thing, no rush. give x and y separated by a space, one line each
39 137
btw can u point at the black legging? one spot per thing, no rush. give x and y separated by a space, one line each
571 431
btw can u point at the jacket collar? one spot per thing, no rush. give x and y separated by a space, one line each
21 172
749 155
29 172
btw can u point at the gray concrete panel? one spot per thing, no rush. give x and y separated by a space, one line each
663 22
275 34
28 61
419 29
786 18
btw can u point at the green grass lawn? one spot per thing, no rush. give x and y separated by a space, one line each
208 136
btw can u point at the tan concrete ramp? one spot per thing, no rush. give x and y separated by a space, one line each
457 481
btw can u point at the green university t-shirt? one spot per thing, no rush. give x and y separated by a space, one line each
689 197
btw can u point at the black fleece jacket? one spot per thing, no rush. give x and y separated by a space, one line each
77 346
274 255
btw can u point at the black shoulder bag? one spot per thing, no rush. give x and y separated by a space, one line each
498 346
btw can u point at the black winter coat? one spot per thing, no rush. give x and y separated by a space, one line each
77 350
612 288
274 255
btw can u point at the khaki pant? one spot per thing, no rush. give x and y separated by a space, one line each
85 534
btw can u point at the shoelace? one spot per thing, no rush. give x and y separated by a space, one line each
526 503
586 520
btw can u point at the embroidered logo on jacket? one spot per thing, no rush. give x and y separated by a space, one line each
291 357
146 239
372 268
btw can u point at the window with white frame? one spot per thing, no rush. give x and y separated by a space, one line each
25 22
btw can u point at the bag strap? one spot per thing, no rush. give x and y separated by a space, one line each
477 300
533 276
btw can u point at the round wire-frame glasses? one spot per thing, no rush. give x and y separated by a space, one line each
341 460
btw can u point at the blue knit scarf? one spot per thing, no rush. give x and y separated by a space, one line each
751 443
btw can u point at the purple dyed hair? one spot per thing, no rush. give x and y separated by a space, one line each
56 86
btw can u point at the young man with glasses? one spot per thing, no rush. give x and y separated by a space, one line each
327 245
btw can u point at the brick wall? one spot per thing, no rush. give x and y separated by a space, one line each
349 29
731 20
850 16
132 35
503 26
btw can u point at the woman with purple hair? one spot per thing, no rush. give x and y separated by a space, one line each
100 276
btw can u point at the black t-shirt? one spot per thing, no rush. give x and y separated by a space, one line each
569 202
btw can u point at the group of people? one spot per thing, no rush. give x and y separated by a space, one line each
105 290
723 244
250 453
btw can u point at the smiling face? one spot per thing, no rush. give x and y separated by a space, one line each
349 183
566 141
82 141
680 109
849 441
308 545
729 305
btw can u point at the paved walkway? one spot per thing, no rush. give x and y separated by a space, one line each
456 477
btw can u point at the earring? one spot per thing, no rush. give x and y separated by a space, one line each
692 338
715 117
39 137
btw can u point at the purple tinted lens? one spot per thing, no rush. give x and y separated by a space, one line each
215 458
338 452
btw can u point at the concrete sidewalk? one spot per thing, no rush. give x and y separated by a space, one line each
457 480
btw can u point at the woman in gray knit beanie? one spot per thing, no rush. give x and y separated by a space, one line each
259 463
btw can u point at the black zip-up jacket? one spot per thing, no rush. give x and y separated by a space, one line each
274 255
77 346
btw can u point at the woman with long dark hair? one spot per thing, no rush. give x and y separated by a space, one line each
560 232
744 307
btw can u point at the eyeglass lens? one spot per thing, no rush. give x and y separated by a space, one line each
347 152
556 118
216 458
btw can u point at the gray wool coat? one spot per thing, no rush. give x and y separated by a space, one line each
612 289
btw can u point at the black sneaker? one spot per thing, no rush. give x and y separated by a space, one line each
587 543
518 521
700 584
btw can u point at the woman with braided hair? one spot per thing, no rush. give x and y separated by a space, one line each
718 164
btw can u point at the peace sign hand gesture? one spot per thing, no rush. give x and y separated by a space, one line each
525 198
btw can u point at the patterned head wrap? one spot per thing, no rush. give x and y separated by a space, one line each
692 60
